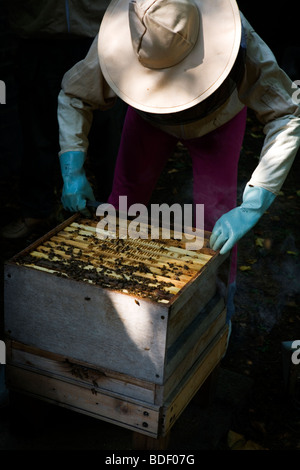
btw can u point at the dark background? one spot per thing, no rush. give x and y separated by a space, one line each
268 297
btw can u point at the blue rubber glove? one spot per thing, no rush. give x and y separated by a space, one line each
76 188
233 225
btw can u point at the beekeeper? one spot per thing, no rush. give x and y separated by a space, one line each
188 70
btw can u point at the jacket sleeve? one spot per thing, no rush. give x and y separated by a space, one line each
83 91
271 94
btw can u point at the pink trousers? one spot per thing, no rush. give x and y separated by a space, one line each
145 149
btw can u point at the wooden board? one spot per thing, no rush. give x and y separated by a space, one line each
156 269
61 297
86 322
180 359
112 408
189 347
190 384
79 388
86 375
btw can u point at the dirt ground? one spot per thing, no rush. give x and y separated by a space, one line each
267 299
267 308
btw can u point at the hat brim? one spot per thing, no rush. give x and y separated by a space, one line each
179 87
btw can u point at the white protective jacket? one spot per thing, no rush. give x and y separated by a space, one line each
265 88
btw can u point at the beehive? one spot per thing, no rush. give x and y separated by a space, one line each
137 322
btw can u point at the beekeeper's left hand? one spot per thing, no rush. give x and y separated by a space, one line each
233 225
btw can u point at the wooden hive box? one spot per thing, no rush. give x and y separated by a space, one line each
124 330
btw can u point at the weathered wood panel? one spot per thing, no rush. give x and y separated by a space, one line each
196 376
86 322
83 374
190 345
107 407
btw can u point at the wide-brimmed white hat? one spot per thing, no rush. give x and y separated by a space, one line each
164 56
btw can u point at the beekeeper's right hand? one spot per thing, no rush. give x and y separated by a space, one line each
76 189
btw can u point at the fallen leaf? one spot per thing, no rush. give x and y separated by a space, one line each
237 441
245 268
259 241
291 303
234 439
251 261
250 445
